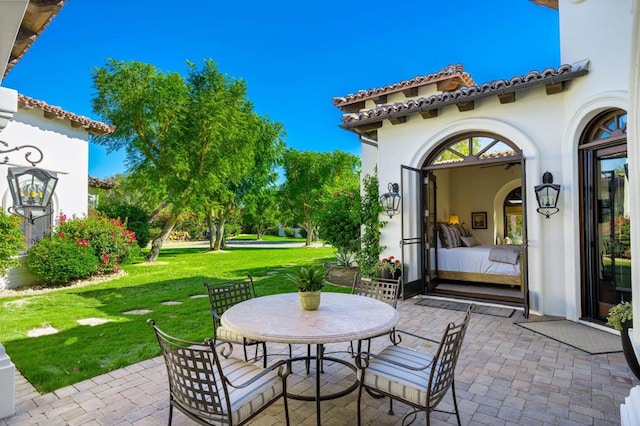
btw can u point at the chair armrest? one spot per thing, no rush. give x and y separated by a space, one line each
283 367
362 362
417 336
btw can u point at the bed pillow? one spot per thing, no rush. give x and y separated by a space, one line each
450 236
469 241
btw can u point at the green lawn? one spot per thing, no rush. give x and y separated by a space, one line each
267 238
78 352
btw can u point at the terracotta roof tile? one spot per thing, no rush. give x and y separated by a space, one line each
465 94
551 4
93 127
448 72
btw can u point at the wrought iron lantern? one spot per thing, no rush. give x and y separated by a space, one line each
547 195
31 187
390 201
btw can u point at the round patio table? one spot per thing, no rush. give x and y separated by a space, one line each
340 318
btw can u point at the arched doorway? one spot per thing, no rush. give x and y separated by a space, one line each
466 173
604 215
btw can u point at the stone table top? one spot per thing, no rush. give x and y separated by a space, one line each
340 318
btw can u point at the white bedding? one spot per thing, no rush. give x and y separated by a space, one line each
472 259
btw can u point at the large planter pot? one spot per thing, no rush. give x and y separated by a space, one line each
309 300
627 349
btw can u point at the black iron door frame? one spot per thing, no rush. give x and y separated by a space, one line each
412 242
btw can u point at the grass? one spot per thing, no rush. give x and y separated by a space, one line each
78 352
267 238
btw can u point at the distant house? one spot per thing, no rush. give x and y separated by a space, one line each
62 136
97 187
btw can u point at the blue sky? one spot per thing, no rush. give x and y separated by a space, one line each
295 56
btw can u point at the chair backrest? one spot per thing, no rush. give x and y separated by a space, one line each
444 362
224 295
383 289
192 369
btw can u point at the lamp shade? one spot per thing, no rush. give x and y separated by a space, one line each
454 219
31 187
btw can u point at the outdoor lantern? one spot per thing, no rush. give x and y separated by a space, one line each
547 195
31 190
390 201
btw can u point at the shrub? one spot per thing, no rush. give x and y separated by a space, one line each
109 238
340 221
134 218
57 261
11 241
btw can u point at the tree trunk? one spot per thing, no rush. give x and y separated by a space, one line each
219 234
210 225
157 243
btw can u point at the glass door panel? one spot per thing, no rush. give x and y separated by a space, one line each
613 280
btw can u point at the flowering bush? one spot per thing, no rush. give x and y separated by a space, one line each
392 264
110 240
11 241
57 261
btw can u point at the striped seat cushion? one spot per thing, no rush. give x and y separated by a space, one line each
227 335
244 401
410 385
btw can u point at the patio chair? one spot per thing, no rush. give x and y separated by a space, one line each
414 378
383 289
224 295
215 389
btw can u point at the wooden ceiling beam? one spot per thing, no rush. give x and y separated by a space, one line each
466 106
410 92
507 98
554 88
432 113
354 107
398 120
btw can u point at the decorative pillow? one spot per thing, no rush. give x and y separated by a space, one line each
469 241
466 230
450 236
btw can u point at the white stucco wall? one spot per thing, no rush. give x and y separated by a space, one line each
65 150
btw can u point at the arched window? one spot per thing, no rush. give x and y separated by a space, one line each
472 149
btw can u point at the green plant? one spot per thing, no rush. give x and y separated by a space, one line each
339 221
11 241
308 279
619 314
370 252
345 258
56 261
135 219
392 264
109 238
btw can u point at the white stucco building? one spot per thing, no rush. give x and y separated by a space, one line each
470 150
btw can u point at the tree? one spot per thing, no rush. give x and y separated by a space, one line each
309 177
182 136
340 221
260 210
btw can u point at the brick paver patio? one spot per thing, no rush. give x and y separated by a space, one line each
506 375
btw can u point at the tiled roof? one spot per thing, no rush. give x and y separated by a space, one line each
449 72
93 127
95 182
465 94
37 16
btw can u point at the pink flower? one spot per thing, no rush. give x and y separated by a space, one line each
62 218
61 235
83 243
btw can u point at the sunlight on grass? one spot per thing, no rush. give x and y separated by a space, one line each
78 352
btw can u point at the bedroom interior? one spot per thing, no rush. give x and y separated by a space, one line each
476 248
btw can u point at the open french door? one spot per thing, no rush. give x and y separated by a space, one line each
525 243
413 254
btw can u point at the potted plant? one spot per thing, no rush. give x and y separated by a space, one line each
620 317
309 282
391 268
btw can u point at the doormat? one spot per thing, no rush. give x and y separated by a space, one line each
459 306
587 339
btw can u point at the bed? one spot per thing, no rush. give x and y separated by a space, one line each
474 264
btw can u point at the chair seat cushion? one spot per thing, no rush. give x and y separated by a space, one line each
244 401
403 383
227 335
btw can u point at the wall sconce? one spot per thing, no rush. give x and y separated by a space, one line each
390 201
547 195
31 187
454 219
